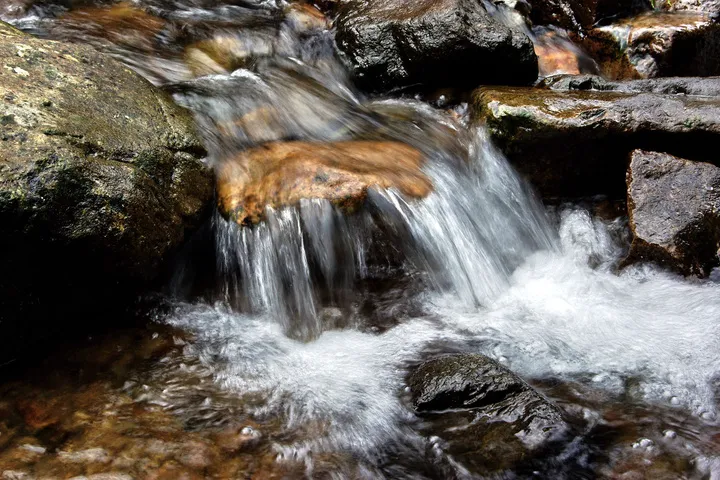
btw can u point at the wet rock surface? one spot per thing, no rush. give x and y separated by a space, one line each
577 143
100 181
225 53
708 7
673 206
577 15
703 86
657 45
280 174
491 419
401 43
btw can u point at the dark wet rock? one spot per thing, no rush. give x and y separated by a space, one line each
577 15
703 86
490 418
656 45
400 43
577 143
100 181
281 174
674 206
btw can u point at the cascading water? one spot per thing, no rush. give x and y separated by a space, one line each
315 317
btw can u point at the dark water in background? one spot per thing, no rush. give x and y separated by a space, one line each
313 318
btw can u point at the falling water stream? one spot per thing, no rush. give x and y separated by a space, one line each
313 318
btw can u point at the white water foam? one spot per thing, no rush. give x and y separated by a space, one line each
563 313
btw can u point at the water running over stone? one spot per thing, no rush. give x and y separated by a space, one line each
315 316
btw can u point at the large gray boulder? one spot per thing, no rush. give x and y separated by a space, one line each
490 418
431 43
577 143
674 211
101 180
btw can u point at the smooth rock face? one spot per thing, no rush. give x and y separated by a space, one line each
674 210
491 419
100 180
281 174
429 43
657 45
577 143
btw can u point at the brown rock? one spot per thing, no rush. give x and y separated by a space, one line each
172 471
557 55
280 174
196 454
674 210
657 45
303 18
238 438
121 23
39 413
224 53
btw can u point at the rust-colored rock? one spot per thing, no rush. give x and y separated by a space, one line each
657 45
122 23
280 174
303 17
224 53
557 55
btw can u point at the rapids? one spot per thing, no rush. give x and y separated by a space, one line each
314 317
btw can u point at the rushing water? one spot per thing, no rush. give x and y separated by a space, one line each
315 317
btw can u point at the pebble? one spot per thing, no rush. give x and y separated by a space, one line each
97 455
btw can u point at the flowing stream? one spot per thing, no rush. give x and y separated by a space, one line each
314 317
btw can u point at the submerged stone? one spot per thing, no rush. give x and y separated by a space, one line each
490 418
403 43
577 143
224 53
101 179
674 210
281 174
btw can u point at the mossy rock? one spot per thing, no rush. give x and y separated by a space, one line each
101 179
